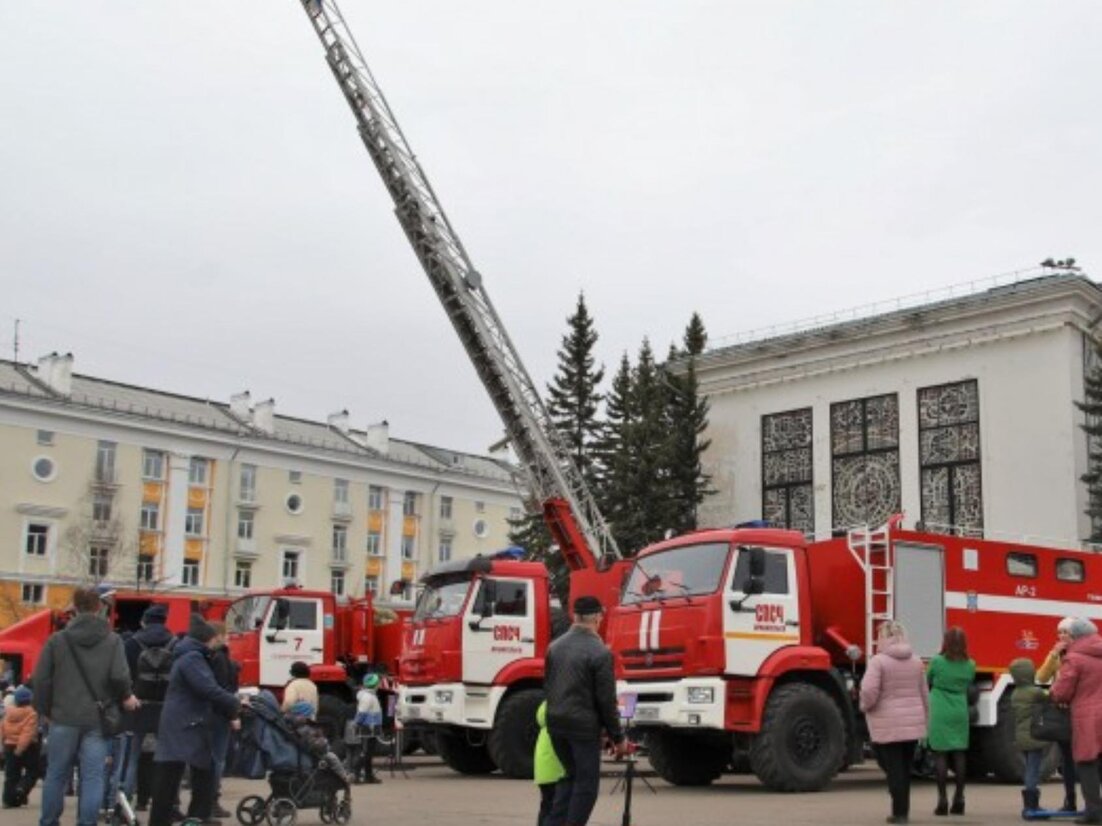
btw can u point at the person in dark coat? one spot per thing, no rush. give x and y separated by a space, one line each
1079 684
226 673
193 702
152 634
581 705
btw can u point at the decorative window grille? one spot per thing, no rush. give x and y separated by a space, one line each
787 495
949 458
864 447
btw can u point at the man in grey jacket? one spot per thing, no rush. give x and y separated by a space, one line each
62 697
581 703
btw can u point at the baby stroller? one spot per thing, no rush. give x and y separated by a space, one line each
301 774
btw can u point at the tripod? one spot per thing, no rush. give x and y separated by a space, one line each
394 757
625 782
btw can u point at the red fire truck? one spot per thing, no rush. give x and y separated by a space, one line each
750 644
22 641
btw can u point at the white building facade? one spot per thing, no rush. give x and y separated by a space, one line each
960 414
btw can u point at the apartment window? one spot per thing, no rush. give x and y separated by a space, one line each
479 507
290 565
45 437
33 593
409 503
336 583
949 458
101 508
193 522
374 543
340 491
787 498
145 568
197 471
407 547
150 516
444 553
38 539
243 575
375 498
247 484
340 542
864 447
99 561
153 464
190 575
105 462
371 585
445 507
294 477
245 524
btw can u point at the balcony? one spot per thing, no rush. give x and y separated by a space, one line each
342 511
338 557
246 548
105 477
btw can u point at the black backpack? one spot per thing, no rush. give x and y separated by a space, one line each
154 665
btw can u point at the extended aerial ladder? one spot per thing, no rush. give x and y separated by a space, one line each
569 509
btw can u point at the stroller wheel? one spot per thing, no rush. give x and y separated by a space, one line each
251 810
282 812
343 814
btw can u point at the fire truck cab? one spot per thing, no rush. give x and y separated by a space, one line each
472 663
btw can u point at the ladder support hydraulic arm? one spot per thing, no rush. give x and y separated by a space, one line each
570 511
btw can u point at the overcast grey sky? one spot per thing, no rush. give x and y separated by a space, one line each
185 204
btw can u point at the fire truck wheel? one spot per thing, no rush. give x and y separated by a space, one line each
687 759
802 741
458 753
333 714
512 742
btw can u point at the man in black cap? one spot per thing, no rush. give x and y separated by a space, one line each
581 703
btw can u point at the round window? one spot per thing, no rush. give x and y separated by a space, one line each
294 503
44 469
481 528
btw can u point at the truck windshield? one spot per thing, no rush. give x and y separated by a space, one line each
678 572
442 598
247 614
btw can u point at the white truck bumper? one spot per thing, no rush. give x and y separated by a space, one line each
696 702
455 704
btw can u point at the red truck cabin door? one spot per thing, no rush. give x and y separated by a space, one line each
919 579
498 628
756 625
301 637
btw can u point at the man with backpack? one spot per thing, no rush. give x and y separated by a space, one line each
149 655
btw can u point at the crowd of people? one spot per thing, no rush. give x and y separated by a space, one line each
106 716
906 703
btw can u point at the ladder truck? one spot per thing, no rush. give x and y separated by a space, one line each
472 665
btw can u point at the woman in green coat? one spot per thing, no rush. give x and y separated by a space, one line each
950 673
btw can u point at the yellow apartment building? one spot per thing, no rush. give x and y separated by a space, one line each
142 489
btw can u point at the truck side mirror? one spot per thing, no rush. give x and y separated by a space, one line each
756 584
488 598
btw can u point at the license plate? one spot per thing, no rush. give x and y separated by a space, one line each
645 713
413 711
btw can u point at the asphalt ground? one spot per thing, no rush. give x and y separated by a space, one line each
427 792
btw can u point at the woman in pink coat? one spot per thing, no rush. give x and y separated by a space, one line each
1079 684
895 699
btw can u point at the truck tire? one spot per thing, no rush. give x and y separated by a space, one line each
683 759
460 755
802 741
512 741
999 753
333 714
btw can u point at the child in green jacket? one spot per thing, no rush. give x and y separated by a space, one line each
548 769
1027 694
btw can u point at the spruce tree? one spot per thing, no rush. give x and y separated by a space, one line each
613 465
573 402
1092 426
688 415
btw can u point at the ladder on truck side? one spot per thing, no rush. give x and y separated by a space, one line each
570 510
873 551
